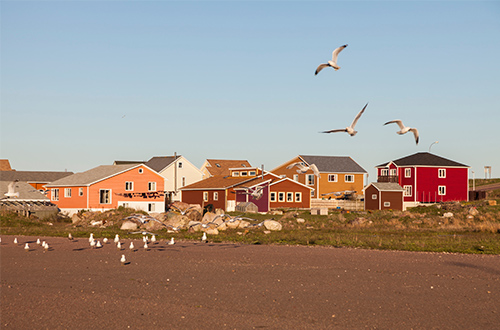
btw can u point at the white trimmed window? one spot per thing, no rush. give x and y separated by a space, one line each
205 196
407 172
407 190
179 164
442 173
129 186
54 194
298 197
384 172
332 178
80 191
104 196
67 192
310 179
296 177
152 186
141 171
236 173
183 181
289 197
151 207
281 197
251 173
441 190
312 192
392 171
244 173
272 196
374 196
387 204
349 178
216 196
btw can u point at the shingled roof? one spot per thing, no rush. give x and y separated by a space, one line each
334 164
424 159
33 176
94 175
222 166
387 186
160 163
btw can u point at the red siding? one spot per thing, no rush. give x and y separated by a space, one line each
290 186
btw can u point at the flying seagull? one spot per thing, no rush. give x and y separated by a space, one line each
350 130
333 62
404 129
11 190
303 168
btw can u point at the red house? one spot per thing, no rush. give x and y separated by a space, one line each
427 178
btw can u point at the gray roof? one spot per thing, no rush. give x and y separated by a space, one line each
160 163
334 164
387 186
25 190
424 159
33 176
88 177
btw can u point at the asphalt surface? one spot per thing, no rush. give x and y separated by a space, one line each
194 285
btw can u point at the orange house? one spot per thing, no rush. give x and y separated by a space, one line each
337 174
109 186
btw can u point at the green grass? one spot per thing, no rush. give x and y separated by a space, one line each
418 229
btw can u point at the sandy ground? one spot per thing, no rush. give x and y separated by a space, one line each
192 285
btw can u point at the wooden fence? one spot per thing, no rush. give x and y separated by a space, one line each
356 205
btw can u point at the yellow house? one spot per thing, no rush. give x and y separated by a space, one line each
338 174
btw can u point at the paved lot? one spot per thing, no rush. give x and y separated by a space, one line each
226 286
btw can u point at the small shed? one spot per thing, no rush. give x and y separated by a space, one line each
247 207
383 196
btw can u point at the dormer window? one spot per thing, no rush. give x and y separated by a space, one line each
236 173
251 173
243 173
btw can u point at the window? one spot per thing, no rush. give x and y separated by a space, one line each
236 173
251 173
151 207
179 164
281 197
104 196
392 171
441 190
141 171
129 186
298 197
216 196
80 192
243 173
183 183
152 186
387 204
54 195
408 190
332 177
442 173
289 197
205 196
310 179
349 178
384 172
407 172
312 192
272 197
67 192
295 177
374 196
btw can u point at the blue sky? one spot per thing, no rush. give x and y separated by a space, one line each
86 83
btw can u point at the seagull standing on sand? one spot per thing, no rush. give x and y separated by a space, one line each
404 129
26 247
119 246
38 241
117 238
105 240
172 242
153 239
204 237
333 62
15 240
350 129
303 168
131 246
123 260
70 237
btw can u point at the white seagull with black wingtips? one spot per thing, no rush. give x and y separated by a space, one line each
333 62
404 129
350 129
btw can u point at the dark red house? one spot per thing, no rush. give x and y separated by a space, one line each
427 178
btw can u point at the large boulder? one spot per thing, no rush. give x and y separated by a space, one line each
273 225
209 217
177 220
129 225
211 231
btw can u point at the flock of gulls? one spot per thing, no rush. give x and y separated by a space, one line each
350 129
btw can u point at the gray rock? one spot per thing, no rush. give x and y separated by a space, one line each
129 225
273 225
